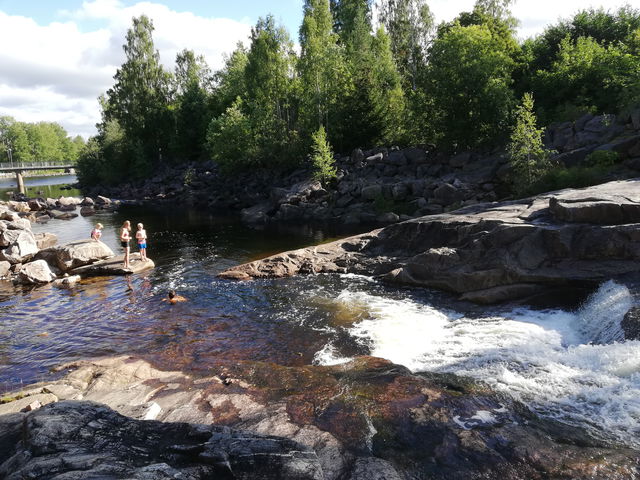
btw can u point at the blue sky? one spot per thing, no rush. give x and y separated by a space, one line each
288 12
57 57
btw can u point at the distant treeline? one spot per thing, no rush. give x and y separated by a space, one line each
37 142
359 81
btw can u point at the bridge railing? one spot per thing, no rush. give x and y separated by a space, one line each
31 164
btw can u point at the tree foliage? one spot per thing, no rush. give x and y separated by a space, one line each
323 164
529 159
363 83
37 142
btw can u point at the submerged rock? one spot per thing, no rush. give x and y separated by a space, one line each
564 238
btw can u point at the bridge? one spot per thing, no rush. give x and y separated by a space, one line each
19 170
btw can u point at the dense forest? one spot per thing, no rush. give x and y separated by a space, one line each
37 142
363 75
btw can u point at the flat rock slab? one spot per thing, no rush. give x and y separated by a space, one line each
491 252
113 266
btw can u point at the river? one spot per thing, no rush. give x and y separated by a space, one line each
572 365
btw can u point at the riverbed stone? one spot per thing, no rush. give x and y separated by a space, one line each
87 211
21 246
35 272
62 215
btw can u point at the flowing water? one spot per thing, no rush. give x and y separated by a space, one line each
572 365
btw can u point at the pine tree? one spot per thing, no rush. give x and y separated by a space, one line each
528 157
323 164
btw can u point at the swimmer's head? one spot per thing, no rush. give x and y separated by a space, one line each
172 293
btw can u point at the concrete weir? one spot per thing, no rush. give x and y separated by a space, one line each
113 266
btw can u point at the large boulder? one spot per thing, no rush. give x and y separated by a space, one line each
76 254
35 272
371 192
21 246
566 238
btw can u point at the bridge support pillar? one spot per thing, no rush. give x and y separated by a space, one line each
20 182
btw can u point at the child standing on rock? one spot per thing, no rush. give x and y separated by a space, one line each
141 237
125 236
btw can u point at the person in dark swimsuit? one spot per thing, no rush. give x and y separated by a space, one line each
125 237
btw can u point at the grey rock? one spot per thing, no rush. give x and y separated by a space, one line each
75 254
415 156
289 212
574 157
35 272
75 439
371 192
45 240
376 158
100 200
631 324
87 202
87 211
21 246
258 214
461 159
446 194
399 191
388 217
397 159
344 200
625 146
357 157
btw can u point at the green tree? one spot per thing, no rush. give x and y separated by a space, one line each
409 24
323 164
586 76
192 111
230 81
139 100
324 77
529 159
468 82
230 140
374 110
271 92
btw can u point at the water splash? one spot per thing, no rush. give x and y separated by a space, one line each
599 319
571 366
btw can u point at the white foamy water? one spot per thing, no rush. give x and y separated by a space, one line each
571 366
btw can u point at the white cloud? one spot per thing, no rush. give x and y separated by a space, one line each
55 72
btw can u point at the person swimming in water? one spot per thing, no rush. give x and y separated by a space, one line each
173 298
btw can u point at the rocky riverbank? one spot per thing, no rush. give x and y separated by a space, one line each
489 252
32 259
383 185
365 419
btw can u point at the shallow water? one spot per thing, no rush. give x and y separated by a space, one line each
570 365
